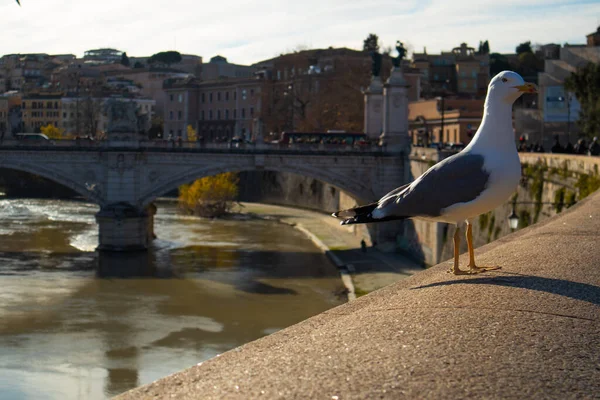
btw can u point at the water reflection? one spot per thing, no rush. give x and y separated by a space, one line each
76 324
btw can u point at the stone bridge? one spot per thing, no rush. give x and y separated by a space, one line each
124 179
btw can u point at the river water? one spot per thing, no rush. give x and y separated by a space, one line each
78 325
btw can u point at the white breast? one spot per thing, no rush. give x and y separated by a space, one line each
505 172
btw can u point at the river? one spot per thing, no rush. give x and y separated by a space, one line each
75 324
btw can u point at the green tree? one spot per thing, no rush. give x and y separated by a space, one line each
371 43
484 48
165 57
498 63
211 196
585 84
529 65
125 59
524 47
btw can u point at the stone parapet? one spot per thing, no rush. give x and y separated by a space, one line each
529 330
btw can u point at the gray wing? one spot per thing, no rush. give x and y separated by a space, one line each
457 179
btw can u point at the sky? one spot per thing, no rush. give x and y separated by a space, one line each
250 31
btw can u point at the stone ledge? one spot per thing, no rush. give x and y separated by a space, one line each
530 330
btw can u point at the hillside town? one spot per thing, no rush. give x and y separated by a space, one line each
182 97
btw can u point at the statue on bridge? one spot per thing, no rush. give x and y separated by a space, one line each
401 54
122 116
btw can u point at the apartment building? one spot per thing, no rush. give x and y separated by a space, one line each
151 81
460 119
41 109
460 71
219 110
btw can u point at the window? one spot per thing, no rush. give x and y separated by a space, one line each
463 85
243 113
218 96
251 111
474 74
251 92
179 132
226 113
210 97
180 98
203 98
171 115
171 97
234 113
226 96
178 114
235 95
210 115
202 115
218 114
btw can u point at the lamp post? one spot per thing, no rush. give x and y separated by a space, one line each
443 107
569 98
513 218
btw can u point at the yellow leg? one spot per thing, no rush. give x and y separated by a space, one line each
474 269
455 268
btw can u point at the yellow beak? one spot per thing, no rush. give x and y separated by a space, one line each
527 88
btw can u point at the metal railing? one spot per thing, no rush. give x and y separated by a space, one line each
167 145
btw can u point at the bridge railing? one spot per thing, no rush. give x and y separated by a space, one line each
87 144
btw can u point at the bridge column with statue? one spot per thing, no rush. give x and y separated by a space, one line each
395 107
386 120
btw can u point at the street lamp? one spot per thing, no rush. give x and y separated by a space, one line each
443 96
513 218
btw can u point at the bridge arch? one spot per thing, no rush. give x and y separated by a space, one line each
55 176
353 187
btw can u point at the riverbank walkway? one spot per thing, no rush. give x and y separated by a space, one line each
528 331
370 270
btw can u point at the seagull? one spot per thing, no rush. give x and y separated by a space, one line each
461 187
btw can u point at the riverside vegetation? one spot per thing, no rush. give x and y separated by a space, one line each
211 196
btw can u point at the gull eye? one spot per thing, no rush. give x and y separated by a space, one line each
504 80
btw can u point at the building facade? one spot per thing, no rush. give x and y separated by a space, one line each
461 119
40 110
461 71
218 110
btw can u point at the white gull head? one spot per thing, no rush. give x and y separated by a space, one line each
508 86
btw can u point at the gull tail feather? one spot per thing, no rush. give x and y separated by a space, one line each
361 215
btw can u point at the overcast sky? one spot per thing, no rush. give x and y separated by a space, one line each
249 31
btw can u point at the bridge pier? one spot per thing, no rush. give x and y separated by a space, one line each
123 227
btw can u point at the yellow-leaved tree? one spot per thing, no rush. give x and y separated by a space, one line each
192 135
52 131
211 196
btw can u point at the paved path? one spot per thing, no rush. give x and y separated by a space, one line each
528 331
370 270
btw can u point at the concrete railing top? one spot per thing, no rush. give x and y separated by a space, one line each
574 162
530 330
